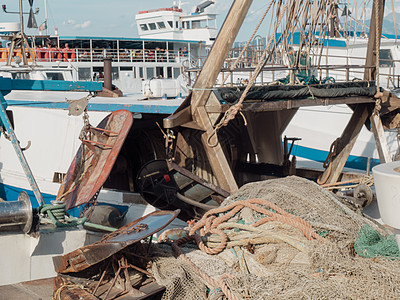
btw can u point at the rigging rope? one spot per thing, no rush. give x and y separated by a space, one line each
239 58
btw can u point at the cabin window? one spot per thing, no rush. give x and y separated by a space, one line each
161 25
196 24
385 58
177 24
169 72
21 76
160 72
171 24
58 177
144 27
177 72
114 73
54 76
126 68
140 72
152 26
84 74
150 73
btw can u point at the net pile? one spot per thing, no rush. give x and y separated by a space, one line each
277 260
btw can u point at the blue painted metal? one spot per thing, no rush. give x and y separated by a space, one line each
353 162
11 193
8 84
108 107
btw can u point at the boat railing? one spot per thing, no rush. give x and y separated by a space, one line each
339 67
274 72
97 55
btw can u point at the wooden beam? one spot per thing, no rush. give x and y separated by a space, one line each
346 143
380 139
372 49
219 51
216 156
178 118
289 104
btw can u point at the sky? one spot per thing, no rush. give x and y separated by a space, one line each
117 17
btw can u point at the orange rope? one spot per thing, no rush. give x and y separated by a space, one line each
209 222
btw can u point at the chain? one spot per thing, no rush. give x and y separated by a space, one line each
86 126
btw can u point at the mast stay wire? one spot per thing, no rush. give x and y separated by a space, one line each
248 42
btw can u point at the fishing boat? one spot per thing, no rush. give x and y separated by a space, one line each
176 149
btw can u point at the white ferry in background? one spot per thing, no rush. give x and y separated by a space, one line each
168 39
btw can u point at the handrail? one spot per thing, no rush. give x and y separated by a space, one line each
55 54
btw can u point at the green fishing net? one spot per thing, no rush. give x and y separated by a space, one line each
370 243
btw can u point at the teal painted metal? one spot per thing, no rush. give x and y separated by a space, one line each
7 84
108 107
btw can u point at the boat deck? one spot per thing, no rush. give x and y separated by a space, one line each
29 290
133 102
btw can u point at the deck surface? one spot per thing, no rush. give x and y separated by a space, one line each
41 289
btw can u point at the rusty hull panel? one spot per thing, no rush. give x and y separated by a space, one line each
129 234
95 159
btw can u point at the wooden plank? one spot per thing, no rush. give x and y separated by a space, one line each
391 101
346 143
178 118
216 156
289 104
380 139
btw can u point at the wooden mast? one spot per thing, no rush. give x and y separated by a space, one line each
196 113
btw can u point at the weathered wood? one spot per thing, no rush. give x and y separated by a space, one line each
395 122
178 118
346 143
218 53
202 90
289 104
392 101
216 156
380 139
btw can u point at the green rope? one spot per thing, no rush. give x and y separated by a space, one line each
370 243
307 79
57 212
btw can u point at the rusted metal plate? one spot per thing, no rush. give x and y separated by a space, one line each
95 159
129 234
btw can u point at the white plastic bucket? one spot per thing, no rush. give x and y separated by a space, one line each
387 186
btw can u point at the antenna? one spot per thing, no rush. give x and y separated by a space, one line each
19 39
179 4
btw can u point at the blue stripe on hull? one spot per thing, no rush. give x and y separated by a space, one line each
353 162
10 193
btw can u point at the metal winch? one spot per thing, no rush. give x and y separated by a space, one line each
13 213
